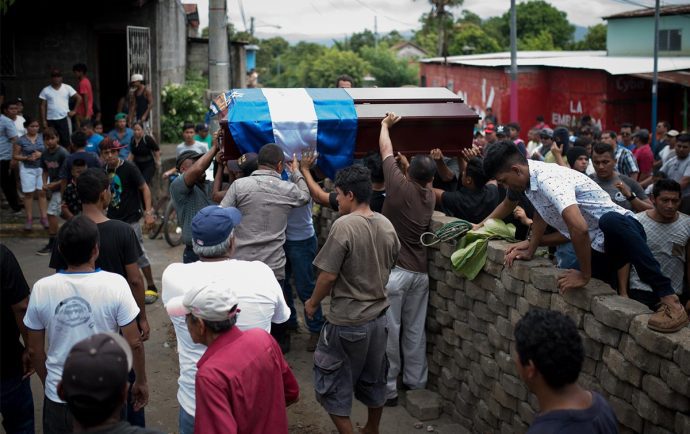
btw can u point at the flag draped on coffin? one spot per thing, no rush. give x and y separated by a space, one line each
297 120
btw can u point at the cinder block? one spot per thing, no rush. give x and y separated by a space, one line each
474 291
462 329
622 368
448 248
559 304
489 367
462 300
435 272
493 268
626 414
503 398
521 269
481 310
614 386
659 391
454 281
496 306
423 404
523 306
662 344
545 278
513 386
505 363
512 284
526 413
617 312
476 324
537 298
437 301
582 297
450 337
496 250
445 291
682 423
504 328
505 297
638 356
650 410
482 345
593 349
600 332
443 317
682 353
497 341
674 377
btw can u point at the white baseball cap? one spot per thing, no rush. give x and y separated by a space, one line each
213 301
136 77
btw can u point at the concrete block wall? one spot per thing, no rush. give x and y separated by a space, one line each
644 375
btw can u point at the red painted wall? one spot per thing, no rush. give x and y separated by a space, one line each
562 96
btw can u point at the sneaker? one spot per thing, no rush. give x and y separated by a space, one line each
667 320
151 295
392 402
46 250
44 222
313 340
29 225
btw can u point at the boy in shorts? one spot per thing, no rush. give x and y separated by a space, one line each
51 161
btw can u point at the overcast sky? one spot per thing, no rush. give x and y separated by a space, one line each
337 18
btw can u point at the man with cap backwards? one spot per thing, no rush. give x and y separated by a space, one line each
140 102
94 384
243 383
128 188
74 304
253 283
189 193
265 201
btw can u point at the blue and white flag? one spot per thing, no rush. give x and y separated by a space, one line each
297 120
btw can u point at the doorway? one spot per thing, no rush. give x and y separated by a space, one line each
112 78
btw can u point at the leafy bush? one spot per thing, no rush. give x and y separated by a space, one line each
182 103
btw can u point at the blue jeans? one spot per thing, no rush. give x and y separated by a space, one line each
186 422
566 257
625 242
188 255
300 255
17 405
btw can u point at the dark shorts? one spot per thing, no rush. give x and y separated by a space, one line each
351 359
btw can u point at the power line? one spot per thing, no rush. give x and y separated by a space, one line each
361 3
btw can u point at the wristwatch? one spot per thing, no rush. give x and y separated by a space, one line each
632 197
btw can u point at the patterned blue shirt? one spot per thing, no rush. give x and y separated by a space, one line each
625 161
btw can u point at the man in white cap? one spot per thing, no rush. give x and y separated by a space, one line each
243 383
252 282
140 102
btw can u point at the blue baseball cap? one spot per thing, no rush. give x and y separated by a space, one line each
214 224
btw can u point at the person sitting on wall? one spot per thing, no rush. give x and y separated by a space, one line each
605 236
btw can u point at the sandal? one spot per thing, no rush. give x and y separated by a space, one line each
151 295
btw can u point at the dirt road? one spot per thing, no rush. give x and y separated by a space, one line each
307 416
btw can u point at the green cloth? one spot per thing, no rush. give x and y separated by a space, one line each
470 257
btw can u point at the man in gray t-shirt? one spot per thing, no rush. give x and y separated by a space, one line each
678 168
668 237
624 191
189 193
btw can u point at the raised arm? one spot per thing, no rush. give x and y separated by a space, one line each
319 195
385 144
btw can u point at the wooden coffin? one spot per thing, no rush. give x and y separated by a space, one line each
432 118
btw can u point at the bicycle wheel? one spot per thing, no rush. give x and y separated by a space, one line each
172 231
153 233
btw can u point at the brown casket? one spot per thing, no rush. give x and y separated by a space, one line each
431 118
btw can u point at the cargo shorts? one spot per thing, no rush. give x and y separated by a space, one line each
351 359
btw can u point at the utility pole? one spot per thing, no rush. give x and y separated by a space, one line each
513 63
655 77
251 26
218 54
376 32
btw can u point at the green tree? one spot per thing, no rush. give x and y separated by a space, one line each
289 68
595 39
541 42
387 68
361 40
321 71
440 18
535 17
392 38
469 17
470 38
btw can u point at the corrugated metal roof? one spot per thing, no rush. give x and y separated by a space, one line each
597 60
649 12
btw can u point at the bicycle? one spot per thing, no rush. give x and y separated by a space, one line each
172 232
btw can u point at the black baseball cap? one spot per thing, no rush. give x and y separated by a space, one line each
186 155
96 368
246 164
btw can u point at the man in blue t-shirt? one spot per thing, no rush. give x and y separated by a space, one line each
122 134
549 357
93 140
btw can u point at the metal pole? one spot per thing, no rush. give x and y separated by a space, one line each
513 63
655 77
218 54
376 32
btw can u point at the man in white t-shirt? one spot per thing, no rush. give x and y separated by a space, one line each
54 107
605 236
72 305
260 296
189 144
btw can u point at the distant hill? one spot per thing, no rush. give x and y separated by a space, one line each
580 33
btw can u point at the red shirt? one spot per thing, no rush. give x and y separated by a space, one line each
645 159
242 385
85 91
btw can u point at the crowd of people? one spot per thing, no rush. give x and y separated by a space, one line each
605 203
